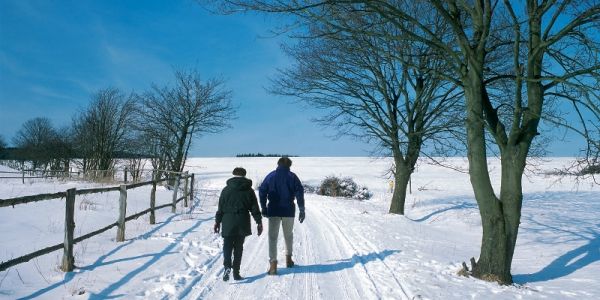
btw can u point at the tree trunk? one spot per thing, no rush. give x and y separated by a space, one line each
501 221
492 264
511 196
401 177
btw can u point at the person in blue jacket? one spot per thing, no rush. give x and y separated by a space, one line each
277 193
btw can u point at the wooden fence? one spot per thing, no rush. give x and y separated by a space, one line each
30 174
88 174
68 260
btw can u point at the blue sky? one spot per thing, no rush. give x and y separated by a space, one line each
54 54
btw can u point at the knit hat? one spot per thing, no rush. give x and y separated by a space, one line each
239 171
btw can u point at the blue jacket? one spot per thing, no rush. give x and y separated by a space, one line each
277 193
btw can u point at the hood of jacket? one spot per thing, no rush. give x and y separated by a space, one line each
239 183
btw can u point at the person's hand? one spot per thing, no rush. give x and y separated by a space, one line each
301 216
217 227
259 229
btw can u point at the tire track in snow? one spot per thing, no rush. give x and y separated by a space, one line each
212 285
254 262
371 291
310 282
374 249
321 239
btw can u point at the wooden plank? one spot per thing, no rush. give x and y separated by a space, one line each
27 257
137 215
153 203
98 190
30 199
163 206
139 184
185 189
93 233
122 214
23 177
192 189
68 261
169 172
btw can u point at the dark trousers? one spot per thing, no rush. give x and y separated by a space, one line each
233 244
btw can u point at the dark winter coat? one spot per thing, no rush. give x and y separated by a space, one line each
236 203
277 193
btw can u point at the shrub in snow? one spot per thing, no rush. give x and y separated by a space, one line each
343 187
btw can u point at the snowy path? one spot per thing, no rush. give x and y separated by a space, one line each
345 249
329 266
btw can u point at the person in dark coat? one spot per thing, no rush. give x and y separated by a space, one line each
277 193
236 203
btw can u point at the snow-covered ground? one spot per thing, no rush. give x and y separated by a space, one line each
346 249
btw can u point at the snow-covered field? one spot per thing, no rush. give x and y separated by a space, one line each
345 249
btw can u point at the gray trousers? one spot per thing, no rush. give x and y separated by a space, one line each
288 227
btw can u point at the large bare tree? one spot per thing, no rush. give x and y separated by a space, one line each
173 116
555 57
376 89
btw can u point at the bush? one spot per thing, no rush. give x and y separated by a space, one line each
344 187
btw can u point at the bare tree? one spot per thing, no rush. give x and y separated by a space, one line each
378 90
3 146
102 129
173 116
35 141
555 57
3 143
138 151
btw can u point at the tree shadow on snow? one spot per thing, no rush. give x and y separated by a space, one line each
567 263
336 266
102 261
457 206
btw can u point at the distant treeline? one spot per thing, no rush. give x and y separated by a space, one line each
264 155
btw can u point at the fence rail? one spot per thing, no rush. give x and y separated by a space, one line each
84 174
31 199
68 261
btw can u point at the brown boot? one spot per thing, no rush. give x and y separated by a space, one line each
272 268
288 261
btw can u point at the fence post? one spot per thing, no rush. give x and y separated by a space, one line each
192 189
125 175
23 176
153 201
122 212
68 261
177 178
185 189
